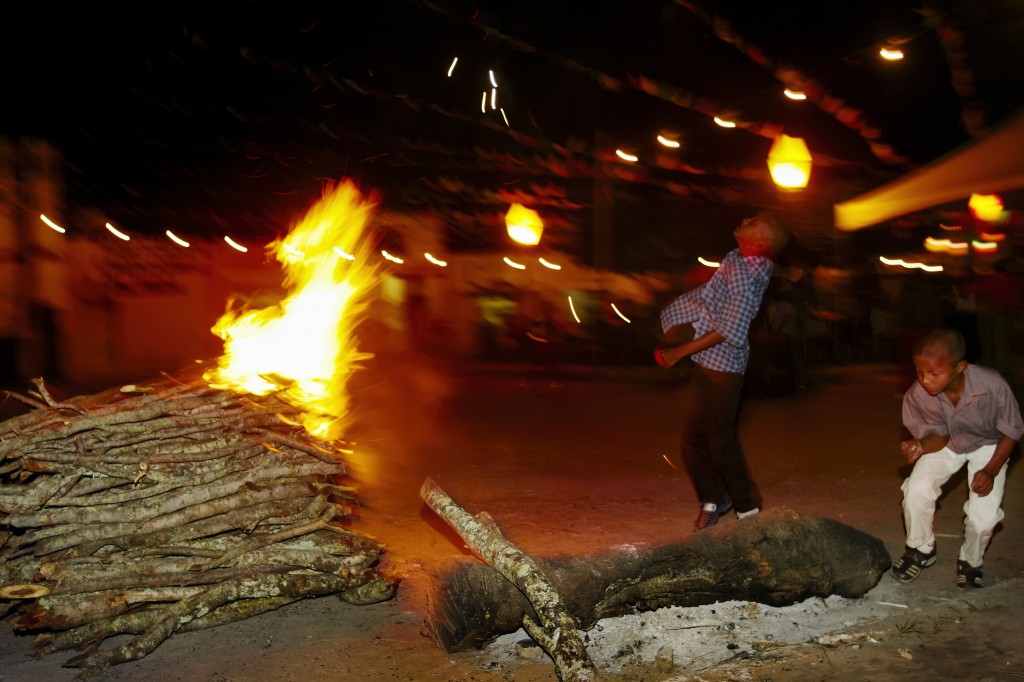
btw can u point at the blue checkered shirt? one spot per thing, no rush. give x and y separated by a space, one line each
726 303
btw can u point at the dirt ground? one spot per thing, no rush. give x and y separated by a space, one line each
586 465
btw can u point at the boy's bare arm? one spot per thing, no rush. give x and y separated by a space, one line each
674 354
984 478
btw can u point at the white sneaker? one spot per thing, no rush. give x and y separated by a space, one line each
748 514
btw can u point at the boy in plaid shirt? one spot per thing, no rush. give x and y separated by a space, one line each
720 312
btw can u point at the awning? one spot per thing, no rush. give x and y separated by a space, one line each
987 165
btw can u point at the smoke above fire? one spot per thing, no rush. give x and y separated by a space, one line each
304 346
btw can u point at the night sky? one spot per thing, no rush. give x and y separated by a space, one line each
232 115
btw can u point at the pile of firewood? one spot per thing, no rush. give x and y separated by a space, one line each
168 507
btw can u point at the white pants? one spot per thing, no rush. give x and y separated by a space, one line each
923 487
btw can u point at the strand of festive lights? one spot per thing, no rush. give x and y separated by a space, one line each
549 265
117 233
52 224
572 308
235 245
176 239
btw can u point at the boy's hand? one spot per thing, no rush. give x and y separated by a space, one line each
982 482
911 449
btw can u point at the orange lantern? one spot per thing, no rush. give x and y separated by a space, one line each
524 225
789 162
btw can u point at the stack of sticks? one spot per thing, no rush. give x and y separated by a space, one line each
168 507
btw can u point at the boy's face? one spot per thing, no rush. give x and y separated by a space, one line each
753 236
937 373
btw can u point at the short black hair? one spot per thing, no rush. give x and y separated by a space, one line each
779 235
949 341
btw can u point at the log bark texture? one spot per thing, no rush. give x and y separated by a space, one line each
777 558
165 507
551 626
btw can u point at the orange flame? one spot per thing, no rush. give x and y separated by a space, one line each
304 347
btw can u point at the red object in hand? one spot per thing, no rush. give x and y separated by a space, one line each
659 357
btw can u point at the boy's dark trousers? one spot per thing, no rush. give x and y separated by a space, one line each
711 448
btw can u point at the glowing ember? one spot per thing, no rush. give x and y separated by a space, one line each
304 347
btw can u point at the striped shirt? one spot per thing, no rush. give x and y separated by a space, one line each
726 303
986 411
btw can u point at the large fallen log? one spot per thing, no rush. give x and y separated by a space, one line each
777 558
164 507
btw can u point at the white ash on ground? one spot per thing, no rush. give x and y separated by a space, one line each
696 638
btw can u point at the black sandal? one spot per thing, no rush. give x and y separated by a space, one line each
968 575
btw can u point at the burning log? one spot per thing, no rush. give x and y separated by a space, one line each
557 631
165 507
777 558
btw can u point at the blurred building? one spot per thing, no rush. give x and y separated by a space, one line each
81 305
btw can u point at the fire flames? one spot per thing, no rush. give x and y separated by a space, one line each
304 347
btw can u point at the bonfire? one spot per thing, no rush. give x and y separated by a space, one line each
196 500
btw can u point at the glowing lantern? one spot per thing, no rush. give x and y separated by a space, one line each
789 162
987 207
524 225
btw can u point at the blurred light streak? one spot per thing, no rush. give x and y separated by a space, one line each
617 312
794 94
667 142
293 252
513 264
549 265
725 124
987 207
911 266
936 245
343 254
504 117
490 74
950 228
984 247
891 54
235 245
494 98
626 156
709 263
393 259
573 309
992 236
483 103
435 261
52 224
452 67
117 233
176 239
